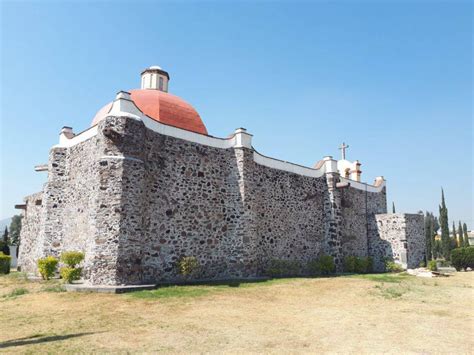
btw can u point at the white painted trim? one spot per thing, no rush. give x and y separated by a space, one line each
79 138
121 157
287 166
125 107
188 135
363 186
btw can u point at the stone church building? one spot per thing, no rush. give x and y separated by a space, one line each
146 184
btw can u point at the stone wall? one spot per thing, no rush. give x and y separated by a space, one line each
136 201
400 237
65 219
358 208
184 199
31 240
415 235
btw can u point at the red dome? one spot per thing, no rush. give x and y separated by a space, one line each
162 107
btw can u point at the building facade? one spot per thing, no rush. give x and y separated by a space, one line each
146 185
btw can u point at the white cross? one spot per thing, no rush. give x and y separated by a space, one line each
343 148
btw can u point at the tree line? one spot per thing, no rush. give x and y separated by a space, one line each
11 236
441 248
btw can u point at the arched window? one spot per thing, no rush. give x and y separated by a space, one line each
161 83
347 173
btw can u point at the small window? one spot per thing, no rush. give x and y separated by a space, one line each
161 83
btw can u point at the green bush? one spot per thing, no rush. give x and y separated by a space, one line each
350 264
422 264
432 265
281 268
462 258
70 274
5 263
189 266
72 258
354 264
47 267
324 265
444 263
391 266
363 265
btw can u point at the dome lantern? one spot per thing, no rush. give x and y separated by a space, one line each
155 78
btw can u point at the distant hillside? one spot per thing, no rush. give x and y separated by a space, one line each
5 223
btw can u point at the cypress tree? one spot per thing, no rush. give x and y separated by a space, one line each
460 236
4 243
454 239
466 236
5 236
393 207
444 224
428 236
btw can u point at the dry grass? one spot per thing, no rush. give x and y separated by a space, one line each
366 314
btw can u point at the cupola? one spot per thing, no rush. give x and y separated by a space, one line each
154 101
155 78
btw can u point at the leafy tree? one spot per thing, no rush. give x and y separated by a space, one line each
466 236
15 228
393 207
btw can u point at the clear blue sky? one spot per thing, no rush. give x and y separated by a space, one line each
392 79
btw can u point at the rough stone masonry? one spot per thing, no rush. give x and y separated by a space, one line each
136 195
136 201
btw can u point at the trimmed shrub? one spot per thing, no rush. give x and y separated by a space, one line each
189 266
70 274
324 265
47 267
462 258
5 261
4 248
282 268
432 265
72 258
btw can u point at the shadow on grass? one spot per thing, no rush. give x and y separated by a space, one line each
39 339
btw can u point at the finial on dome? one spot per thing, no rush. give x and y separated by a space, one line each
155 78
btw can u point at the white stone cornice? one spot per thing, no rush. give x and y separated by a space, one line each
123 106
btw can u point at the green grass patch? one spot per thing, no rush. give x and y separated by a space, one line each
16 292
394 278
54 288
391 292
173 292
198 290
16 276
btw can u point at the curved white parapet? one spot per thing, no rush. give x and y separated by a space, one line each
287 166
65 142
378 187
123 106
188 135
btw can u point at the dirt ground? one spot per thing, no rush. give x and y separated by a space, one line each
347 314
